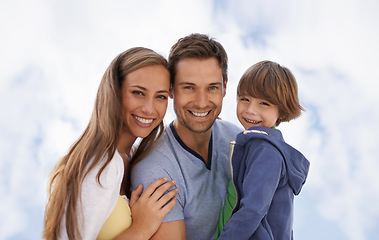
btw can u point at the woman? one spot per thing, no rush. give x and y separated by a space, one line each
88 186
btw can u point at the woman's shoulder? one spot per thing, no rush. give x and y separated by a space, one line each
111 175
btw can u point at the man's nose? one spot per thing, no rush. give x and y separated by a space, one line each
201 99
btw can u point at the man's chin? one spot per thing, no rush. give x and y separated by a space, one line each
199 128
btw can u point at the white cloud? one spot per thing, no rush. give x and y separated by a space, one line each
54 55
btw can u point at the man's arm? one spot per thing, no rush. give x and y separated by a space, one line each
174 230
145 172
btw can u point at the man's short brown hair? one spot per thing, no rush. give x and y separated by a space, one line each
198 46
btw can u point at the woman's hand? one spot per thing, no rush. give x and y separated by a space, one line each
149 208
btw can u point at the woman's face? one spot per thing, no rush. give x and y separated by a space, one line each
145 94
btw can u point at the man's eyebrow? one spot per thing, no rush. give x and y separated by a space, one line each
190 83
186 83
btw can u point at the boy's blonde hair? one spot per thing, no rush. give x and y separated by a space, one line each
274 83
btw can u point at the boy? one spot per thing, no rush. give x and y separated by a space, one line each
266 172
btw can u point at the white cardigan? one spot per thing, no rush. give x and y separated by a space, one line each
98 201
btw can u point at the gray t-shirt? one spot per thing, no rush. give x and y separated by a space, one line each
202 188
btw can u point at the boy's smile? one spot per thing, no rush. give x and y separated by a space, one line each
254 112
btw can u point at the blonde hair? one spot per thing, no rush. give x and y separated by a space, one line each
274 83
99 139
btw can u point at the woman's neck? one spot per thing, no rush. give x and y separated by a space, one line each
125 145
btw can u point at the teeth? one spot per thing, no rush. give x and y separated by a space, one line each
197 114
143 120
252 121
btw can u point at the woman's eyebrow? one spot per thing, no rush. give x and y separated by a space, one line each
145 89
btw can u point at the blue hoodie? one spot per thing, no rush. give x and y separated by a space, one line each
267 173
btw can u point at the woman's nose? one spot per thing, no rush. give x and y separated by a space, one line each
148 107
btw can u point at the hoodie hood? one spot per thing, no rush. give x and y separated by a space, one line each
297 166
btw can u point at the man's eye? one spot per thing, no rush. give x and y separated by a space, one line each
188 87
213 88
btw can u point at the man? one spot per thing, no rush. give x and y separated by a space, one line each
194 148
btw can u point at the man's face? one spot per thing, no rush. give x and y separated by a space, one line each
198 92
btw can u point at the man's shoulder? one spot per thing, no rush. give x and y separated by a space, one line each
159 162
224 127
162 151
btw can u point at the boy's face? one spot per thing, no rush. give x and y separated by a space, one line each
256 112
198 92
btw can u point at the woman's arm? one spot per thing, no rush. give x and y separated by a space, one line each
149 208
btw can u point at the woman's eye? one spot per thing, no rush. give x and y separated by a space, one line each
137 92
162 97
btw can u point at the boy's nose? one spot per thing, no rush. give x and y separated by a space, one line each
252 109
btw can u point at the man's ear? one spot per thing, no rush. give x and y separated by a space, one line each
224 85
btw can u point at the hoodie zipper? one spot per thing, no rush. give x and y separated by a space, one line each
231 150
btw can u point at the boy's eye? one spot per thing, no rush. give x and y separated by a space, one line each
244 99
265 103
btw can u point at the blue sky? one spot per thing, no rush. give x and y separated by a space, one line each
55 52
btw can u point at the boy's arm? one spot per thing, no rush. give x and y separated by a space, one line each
263 170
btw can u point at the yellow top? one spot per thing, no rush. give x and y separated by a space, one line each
119 220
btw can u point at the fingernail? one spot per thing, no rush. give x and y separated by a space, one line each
165 179
173 181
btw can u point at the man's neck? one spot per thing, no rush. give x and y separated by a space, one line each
198 142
